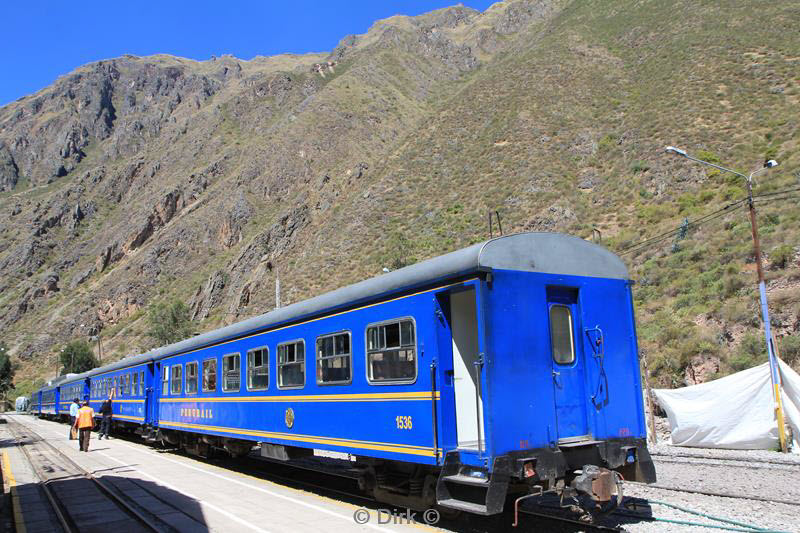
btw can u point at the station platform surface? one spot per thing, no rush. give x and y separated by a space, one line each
216 498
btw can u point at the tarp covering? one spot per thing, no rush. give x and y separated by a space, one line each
734 412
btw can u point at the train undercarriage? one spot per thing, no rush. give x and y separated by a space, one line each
586 475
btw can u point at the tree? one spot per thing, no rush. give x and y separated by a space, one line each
6 371
169 322
77 357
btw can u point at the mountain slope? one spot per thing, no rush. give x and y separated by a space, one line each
138 179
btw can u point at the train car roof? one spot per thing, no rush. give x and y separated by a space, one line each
57 381
552 253
71 378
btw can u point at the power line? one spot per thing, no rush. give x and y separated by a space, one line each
691 225
762 199
796 189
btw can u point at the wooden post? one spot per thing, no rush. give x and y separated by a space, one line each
651 420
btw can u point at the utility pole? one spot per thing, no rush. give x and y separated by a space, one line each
277 292
762 287
99 350
651 420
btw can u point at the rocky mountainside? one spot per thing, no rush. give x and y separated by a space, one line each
135 180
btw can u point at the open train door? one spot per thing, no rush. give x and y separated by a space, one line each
461 337
568 364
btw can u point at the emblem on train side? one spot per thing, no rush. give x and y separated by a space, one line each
289 417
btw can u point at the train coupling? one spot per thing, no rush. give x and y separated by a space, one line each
600 484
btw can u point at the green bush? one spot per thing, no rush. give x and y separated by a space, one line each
751 352
781 256
77 357
169 322
789 349
731 284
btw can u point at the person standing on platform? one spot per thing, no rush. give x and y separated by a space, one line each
106 411
73 413
85 423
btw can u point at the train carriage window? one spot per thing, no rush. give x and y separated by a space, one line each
135 389
141 383
562 341
334 359
209 375
127 384
191 378
258 369
292 364
164 381
392 352
177 379
231 377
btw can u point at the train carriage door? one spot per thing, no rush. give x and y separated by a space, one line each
467 369
151 394
568 364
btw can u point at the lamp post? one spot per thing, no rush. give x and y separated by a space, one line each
762 289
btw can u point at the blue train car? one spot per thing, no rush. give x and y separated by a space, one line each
36 403
508 365
127 383
73 387
48 405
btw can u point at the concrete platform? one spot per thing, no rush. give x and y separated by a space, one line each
210 498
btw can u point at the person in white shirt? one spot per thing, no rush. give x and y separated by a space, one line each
73 412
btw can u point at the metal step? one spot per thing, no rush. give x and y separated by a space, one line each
467 480
578 443
469 507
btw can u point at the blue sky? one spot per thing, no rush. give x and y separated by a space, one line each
43 39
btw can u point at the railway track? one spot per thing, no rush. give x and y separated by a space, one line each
80 501
731 463
720 494
725 459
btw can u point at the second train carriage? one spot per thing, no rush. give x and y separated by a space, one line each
130 383
511 363
72 388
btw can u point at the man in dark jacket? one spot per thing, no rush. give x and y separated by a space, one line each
106 411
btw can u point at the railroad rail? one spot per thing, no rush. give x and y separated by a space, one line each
732 463
718 494
69 488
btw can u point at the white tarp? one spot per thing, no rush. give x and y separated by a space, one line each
734 412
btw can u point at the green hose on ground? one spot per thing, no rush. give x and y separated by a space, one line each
741 526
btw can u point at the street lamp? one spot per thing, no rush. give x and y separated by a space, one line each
762 288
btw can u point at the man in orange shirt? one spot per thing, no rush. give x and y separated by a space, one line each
85 423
